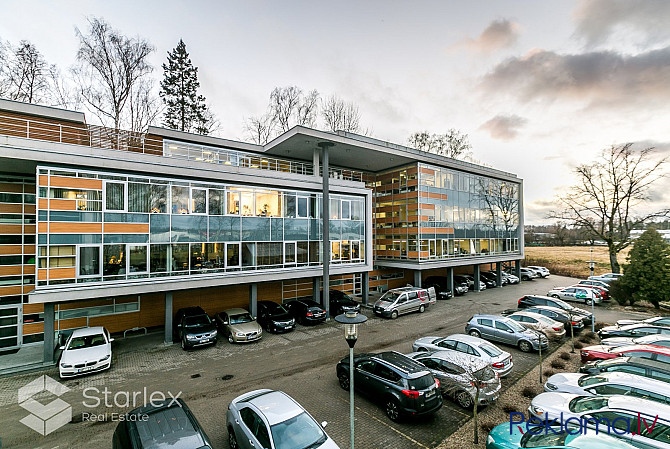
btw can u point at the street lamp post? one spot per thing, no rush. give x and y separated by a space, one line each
593 309
351 320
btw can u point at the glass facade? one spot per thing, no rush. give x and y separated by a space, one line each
112 227
424 212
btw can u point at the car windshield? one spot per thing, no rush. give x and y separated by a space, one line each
197 321
491 350
530 440
585 381
389 297
276 309
240 318
87 341
515 326
587 404
421 383
299 432
485 374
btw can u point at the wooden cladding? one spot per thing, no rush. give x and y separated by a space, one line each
74 183
117 228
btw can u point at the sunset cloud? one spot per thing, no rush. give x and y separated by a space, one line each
504 127
501 33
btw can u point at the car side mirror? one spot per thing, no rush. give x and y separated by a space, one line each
225 322
62 348
510 331
111 340
324 424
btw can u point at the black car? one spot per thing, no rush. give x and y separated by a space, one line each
539 300
402 385
340 303
274 317
633 330
633 365
490 279
462 279
306 311
193 327
441 283
161 424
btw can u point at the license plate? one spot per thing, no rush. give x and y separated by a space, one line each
430 393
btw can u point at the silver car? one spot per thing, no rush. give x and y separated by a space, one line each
239 326
506 330
273 420
656 321
585 295
542 271
475 348
398 301
658 340
456 381
609 383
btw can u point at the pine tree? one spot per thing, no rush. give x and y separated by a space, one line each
647 275
185 108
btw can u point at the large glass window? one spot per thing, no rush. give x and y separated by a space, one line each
346 210
213 256
268 203
248 254
179 200
290 206
89 261
115 196
158 198
268 254
217 202
232 254
247 202
355 250
289 253
137 260
357 209
138 197
113 260
232 202
198 201
159 258
303 252
303 202
180 256
334 209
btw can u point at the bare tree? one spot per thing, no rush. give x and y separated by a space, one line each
339 115
259 129
308 109
284 104
502 203
4 63
110 72
453 143
607 194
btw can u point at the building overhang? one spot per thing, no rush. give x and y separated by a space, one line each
447 263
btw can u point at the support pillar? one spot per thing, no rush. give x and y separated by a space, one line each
315 162
417 278
517 268
450 281
316 289
475 274
253 299
49 332
168 318
326 225
499 274
365 287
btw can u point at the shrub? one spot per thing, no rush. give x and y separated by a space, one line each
590 335
565 356
548 373
557 364
599 325
487 426
510 408
529 392
578 345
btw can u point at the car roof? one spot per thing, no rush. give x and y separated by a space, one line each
88 331
236 311
524 312
276 406
639 361
552 308
645 348
402 362
405 289
455 357
465 338
167 425
634 380
494 317
636 325
641 405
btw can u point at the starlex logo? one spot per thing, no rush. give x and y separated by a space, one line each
579 425
44 419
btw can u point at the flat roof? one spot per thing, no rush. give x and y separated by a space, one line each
42 111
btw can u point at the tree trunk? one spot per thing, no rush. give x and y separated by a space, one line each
475 416
614 263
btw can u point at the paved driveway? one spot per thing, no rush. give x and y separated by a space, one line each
301 363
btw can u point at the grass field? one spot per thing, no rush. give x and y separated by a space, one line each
571 260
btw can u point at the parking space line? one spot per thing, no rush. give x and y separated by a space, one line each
387 425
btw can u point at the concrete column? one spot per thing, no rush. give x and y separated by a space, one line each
253 299
315 162
499 274
49 332
475 274
365 281
326 225
517 268
417 278
450 281
168 318
316 289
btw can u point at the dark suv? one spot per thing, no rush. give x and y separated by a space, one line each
160 424
538 300
441 286
306 311
193 327
404 386
340 303
274 317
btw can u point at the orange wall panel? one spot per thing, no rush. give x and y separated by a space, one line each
71 323
136 228
42 228
61 204
11 187
42 274
76 183
117 323
33 308
62 273
9 270
33 328
77 228
44 180
10 208
11 229
11 249
43 203
7 291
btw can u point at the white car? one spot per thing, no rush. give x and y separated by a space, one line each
607 277
609 383
542 271
658 340
475 347
656 321
511 279
565 406
586 295
87 350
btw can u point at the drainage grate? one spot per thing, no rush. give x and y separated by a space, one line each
226 377
195 376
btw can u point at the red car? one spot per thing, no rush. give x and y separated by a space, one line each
601 291
602 352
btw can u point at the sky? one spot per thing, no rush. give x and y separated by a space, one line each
538 86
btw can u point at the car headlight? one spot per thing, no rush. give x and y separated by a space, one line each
490 440
292 321
239 334
537 410
190 337
550 386
214 334
105 358
65 365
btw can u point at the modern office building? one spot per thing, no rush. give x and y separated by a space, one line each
120 229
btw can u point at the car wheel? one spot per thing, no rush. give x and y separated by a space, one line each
422 308
525 278
394 314
422 349
344 381
392 409
524 346
555 296
230 339
475 333
588 301
232 441
464 400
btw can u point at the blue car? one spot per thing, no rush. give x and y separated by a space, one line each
500 438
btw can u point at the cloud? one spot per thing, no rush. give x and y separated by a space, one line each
501 33
504 127
641 21
603 78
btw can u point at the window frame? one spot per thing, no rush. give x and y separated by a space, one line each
104 196
192 204
78 262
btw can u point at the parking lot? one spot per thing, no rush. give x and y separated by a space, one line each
301 363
